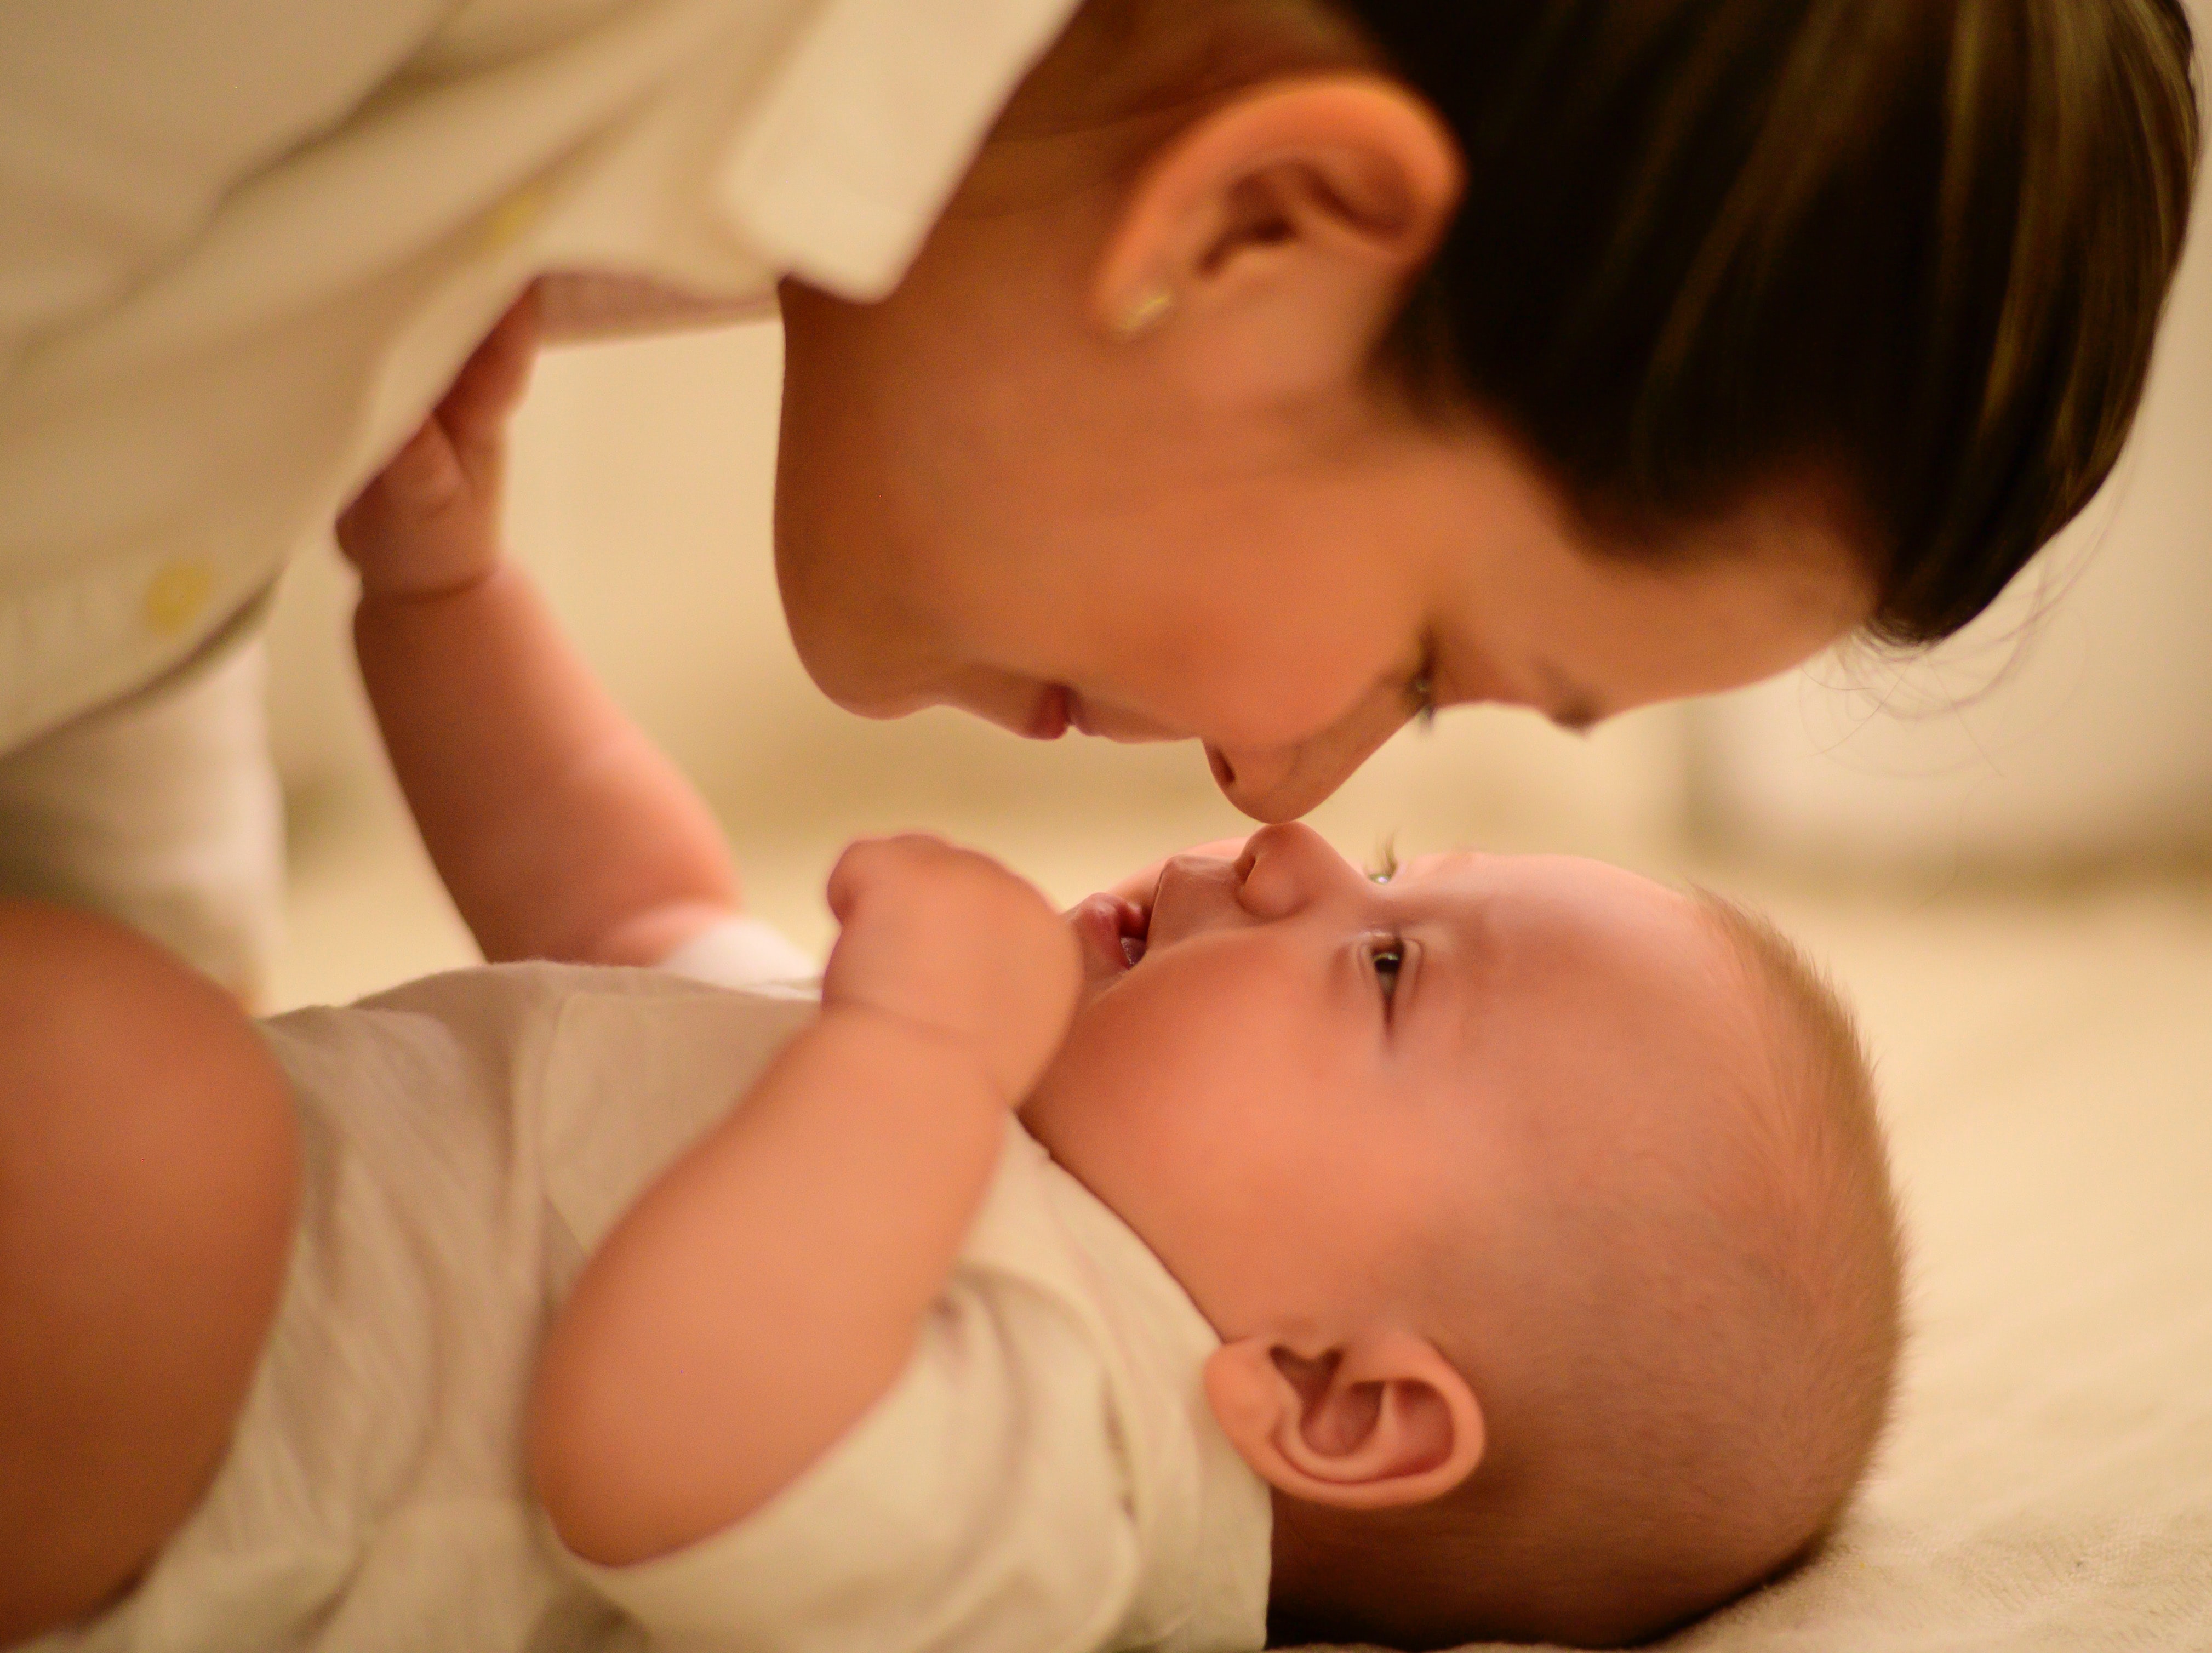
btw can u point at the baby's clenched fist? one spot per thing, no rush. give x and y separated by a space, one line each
950 942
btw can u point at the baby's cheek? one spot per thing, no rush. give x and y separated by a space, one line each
1097 1100
1074 1099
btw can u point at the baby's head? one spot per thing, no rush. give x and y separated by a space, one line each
1542 1212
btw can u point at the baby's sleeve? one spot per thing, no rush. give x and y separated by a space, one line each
741 951
981 1504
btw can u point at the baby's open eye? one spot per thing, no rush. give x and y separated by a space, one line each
1387 958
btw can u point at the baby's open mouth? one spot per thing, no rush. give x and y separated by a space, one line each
1132 946
1112 930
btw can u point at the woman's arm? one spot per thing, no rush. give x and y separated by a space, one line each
559 829
771 1286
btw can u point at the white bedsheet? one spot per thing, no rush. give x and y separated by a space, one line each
2049 1482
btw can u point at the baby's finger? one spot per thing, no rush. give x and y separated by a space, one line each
490 383
425 475
844 882
865 864
420 480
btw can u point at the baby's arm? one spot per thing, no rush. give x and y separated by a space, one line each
771 1286
559 829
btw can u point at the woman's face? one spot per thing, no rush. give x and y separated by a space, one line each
1208 532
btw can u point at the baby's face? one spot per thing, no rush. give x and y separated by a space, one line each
1308 1079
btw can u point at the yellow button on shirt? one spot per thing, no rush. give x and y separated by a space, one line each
512 219
244 247
176 597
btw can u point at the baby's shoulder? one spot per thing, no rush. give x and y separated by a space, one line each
503 1004
539 1044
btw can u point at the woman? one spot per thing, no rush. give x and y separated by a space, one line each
1259 372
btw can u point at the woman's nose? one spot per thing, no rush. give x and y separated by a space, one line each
1284 783
1285 869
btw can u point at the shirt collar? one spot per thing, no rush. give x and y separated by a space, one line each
846 163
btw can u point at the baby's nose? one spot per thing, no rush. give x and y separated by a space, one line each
1194 892
1285 868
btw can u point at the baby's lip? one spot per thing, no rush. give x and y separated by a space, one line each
1112 932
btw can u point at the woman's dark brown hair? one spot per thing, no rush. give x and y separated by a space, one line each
1922 243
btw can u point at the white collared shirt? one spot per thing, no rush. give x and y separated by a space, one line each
244 246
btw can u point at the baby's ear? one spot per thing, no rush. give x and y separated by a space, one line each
1382 1419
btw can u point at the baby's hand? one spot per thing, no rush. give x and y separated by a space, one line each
949 941
429 522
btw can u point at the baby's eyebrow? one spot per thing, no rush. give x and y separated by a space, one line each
1384 866
1432 860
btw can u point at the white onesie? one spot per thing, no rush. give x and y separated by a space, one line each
1045 1475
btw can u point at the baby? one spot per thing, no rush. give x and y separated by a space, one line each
1502 1250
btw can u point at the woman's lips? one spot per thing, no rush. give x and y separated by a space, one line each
1059 708
1051 717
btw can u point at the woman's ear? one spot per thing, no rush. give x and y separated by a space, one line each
1383 1420
1264 250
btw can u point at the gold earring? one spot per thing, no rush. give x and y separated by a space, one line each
1144 313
